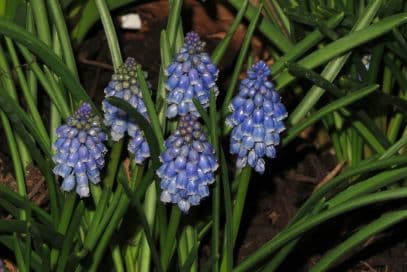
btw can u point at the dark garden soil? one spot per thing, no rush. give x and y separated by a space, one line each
273 198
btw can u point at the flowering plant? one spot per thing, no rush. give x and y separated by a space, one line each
142 180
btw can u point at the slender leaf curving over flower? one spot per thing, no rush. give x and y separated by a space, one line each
191 74
124 85
256 119
80 151
188 165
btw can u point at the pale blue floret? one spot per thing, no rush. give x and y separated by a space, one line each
191 75
79 151
124 85
188 165
256 119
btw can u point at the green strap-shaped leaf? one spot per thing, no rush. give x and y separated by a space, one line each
305 225
224 43
304 45
370 185
345 44
337 104
90 16
384 222
267 28
16 115
41 50
21 203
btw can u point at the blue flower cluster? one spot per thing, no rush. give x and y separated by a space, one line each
124 85
256 119
188 165
80 151
191 75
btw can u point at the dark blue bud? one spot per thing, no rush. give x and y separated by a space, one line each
258 116
258 100
248 107
180 162
237 102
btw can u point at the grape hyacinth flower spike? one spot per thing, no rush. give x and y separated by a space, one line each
188 165
124 85
79 151
256 119
191 75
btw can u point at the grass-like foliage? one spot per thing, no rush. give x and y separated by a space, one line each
344 63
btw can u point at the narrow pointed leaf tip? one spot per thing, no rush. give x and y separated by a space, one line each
256 119
124 85
188 165
192 74
79 151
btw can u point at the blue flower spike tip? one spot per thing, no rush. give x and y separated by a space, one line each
192 74
188 165
124 85
79 151
256 119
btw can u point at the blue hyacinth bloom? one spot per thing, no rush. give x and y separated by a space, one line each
190 75
79 151
256 118
188 165
124 85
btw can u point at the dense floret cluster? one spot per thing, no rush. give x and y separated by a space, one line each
256 119
188 165
188 162
124 85
80 151
191 75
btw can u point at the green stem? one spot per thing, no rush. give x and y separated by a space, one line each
56 97
63 35
102 244
227 260
216 186
220 50
32 80
240 60
95 232
168 249
266 27
31 103
114 161
117 258
10 88
243 184
173 21
149 210
110 33
63 224
15 156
